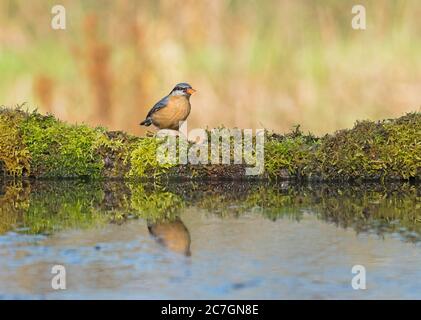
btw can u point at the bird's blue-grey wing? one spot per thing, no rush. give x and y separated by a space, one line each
159 105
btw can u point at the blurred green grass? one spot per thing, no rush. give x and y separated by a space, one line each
255 63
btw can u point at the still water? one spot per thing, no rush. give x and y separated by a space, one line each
127 240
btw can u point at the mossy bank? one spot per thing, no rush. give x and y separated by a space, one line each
41 146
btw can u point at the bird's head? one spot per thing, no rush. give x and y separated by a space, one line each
182 89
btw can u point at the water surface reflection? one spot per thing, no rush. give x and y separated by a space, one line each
208 240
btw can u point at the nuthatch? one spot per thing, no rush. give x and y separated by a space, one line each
172 109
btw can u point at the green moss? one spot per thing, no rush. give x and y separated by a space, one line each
293 153
115 149
42 146
143 159
60 150
14 155
373 150
388 149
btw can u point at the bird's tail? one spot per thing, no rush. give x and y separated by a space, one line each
147 122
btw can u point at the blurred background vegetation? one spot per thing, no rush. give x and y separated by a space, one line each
255 64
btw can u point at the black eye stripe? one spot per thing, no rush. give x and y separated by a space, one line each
181 88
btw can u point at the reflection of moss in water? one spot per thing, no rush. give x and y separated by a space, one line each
64 207
366 207
13 202
259 199
51 207
155 204
387 210
363 207
56 205
45 207
274 204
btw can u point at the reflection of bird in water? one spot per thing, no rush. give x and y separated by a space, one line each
172 234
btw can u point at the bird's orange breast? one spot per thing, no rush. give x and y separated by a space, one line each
169 117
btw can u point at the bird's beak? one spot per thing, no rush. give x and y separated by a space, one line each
190 91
